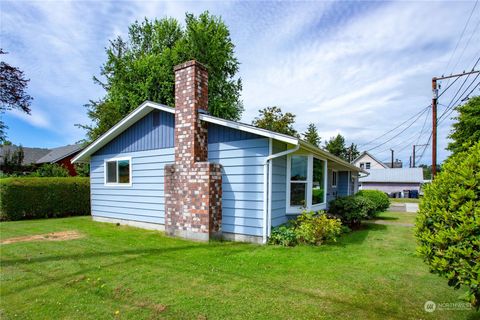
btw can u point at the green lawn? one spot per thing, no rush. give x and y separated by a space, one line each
126 273
404 200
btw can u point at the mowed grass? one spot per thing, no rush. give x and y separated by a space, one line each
117 272
404 200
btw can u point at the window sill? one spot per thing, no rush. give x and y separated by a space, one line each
117 185
298 210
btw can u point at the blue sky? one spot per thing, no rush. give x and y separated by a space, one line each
355 68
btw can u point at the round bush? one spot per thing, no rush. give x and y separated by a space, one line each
351 209
379 199
448 223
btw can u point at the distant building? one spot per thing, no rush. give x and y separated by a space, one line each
367 161
396 181
38 156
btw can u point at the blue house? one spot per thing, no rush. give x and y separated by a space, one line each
197 176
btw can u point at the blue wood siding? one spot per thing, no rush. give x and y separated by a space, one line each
242 182
332 192
342 183
279 185
217 133
154 131
144 200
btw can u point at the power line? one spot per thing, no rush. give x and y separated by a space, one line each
452 104
464 99
461 36
400 131
401 124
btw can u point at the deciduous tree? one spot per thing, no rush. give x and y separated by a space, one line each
272 118
466 129
13 92
140 68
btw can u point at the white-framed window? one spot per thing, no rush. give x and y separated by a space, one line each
334 178
362 165
306 183
118 171
367 165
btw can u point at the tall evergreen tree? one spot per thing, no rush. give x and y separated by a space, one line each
336 146
140 68
311 135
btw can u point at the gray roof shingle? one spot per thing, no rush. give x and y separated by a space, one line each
394 175
59 153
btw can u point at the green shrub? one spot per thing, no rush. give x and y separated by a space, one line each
33 198
316 229
379 199
283 235
448 223
51 170
308 228
351 209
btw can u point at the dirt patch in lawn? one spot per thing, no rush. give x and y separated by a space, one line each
53 236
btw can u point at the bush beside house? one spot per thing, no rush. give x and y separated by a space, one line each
448 223
379 199
34 198
309 228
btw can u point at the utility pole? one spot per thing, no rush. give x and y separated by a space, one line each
434 115
413 155
392 158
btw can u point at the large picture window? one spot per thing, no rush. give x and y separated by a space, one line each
118 171
298 180
318 181
306 183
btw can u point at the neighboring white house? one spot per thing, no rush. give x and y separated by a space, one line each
397 182
368 162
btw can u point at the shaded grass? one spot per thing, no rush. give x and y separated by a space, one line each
120 272
397 217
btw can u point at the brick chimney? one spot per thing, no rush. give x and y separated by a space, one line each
193 186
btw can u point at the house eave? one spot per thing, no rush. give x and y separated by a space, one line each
315 150
121 126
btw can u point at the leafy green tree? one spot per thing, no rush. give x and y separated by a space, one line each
466 131
447 226
336 146
311 135
140 68
273 119
13 95
82 169
12 160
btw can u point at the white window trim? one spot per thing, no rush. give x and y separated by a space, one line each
109 184
336 178
309 205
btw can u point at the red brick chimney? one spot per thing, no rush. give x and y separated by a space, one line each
193 186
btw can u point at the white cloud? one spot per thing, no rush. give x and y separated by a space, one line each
358 68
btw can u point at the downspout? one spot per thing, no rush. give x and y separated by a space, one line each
267 210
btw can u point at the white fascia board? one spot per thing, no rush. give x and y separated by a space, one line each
248 128
315 150
120 127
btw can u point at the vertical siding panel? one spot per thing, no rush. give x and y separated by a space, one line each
143 136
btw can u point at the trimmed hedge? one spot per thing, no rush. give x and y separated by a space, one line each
379 199
35 198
